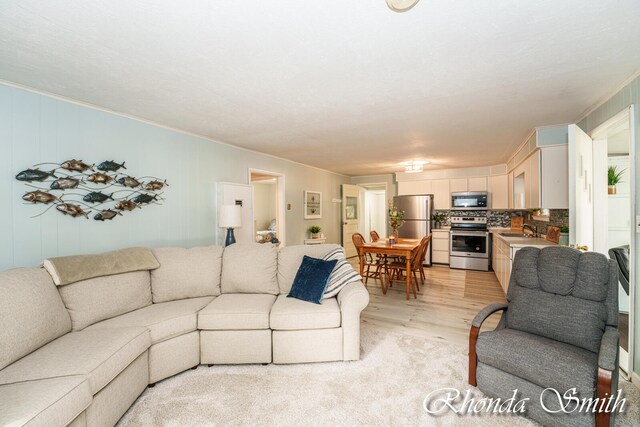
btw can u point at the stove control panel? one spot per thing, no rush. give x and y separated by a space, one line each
469 220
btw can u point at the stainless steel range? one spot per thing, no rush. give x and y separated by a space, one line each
469 243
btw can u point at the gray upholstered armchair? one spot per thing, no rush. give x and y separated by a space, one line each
559 329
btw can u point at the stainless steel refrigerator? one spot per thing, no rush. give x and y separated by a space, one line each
417 218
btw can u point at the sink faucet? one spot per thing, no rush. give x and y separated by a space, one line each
532 228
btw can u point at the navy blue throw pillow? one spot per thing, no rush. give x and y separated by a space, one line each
311 279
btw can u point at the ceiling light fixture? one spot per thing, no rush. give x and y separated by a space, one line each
414 166
401 5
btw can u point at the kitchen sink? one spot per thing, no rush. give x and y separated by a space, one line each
516 235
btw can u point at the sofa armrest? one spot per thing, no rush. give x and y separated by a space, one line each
486 312
608 355
353 298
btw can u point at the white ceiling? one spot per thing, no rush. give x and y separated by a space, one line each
348 86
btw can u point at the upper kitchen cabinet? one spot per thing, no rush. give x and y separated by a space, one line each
410 188
458 184
441 193
438 187
540 176
478 184
468 184
499 189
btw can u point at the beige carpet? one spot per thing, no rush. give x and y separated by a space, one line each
386 387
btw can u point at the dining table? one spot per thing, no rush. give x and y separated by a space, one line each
402 247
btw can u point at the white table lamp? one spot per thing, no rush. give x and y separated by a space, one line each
230 217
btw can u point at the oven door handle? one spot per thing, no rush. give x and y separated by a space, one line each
469 233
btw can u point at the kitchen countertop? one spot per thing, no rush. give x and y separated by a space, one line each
520 242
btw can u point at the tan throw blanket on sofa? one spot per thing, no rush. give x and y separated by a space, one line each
70 269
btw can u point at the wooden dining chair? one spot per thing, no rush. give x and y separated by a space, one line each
381 258
423 276
394 269
367 260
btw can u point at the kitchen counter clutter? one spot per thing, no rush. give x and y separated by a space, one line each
519 242
504 249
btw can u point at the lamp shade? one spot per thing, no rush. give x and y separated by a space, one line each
230 216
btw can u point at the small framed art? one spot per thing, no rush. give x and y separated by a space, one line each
312 204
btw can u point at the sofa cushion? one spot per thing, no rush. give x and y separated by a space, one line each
164 320
92 300
32 313
290 258
46 402
186 273
540 360
237 311
250 269
70 269
291 314
99 354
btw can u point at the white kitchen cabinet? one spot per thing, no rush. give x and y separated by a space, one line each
477 184
534 181
457 185
499 189
441 193
440 246
554 177
510 175
521 190
501 261
541 180
468 184
410 188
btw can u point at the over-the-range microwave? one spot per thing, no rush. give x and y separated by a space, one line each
470 201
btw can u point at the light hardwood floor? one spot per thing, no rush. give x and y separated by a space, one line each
444 309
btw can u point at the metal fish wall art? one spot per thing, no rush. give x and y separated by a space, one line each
75 188
39 196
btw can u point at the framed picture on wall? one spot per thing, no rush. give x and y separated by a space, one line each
312 204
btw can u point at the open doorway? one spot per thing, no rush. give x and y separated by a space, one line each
614 208
268 206
375 210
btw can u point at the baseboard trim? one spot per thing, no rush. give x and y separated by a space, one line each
635 379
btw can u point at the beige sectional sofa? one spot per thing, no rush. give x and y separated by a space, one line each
81 353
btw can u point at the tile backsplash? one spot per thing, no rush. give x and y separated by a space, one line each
557 217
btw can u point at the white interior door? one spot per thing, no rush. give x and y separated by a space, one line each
351 216
581 184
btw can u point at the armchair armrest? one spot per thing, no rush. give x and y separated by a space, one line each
607 381
608 355
486 312
352 299
473 337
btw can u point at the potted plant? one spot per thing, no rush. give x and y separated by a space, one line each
438 219
614 177
396 216
315 230
564 235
